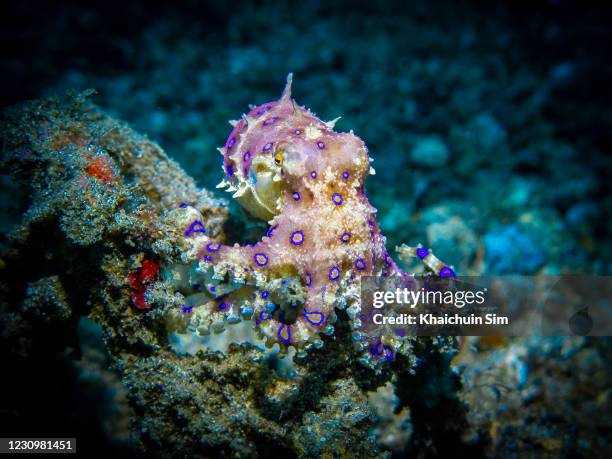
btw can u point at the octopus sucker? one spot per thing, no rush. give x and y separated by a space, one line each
287 167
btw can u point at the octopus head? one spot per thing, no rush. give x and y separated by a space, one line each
279 144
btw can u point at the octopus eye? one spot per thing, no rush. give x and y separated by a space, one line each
278 157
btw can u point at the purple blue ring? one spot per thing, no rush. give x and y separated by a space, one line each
297 238
334 273
360 264
314 313
260 259
296 196
195 227
264 315
321 145
345 237
287 338
337 199
213 247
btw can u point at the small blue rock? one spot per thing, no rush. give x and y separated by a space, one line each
429 151
510 251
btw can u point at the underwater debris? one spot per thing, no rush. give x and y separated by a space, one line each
531 394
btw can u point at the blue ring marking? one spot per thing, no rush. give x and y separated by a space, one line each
268 146
271 230
422 253
195 227
231 143
187 309
360 264
296 196
313 174
287 338
182 205
446 271
207 258
300 238
321 145
222 306
213 247
297 132
264 315
265 294
334 273
246 156
315 313
264 110
345 175
337 199
345 237
229 170
309 281
259 256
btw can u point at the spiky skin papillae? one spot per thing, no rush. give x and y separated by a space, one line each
285 165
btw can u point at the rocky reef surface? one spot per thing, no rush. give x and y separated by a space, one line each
95 256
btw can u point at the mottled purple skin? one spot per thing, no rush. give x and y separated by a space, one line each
327 170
